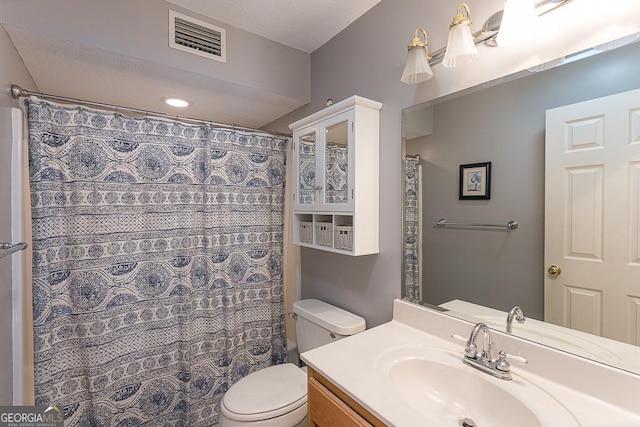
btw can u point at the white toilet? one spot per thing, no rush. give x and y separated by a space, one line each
277 396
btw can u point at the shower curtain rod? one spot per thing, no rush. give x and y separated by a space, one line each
18 92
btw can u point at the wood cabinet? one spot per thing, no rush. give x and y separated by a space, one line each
336 183
328 406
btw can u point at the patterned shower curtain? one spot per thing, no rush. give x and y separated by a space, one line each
412 251
157 264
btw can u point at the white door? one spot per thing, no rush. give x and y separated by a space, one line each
592 216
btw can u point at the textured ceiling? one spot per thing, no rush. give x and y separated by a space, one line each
303 24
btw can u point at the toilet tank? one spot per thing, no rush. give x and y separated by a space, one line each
319 323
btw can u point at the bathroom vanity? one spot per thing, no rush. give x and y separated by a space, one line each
410 372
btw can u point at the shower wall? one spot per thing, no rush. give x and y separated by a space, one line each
12 71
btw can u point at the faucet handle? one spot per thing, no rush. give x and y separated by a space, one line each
471 350
501 364
517 360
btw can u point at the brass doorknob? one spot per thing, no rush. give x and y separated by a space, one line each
554 270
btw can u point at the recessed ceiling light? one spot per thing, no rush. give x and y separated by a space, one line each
176 102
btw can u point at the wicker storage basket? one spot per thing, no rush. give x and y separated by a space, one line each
343 237
324 232
306 231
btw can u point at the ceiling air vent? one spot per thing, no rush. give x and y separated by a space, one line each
197 37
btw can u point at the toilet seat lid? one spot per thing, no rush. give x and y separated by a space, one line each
271 391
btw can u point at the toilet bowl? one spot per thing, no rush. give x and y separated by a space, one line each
271 397
277 396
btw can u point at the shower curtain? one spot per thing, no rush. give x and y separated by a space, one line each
412 244
157 264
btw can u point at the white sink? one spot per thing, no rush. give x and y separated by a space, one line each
437 384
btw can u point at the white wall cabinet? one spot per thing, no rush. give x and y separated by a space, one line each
336 184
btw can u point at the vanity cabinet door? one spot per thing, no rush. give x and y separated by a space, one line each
326 410
328 406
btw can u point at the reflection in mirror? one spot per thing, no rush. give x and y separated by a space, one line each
412 228
307 169
336 161
482 273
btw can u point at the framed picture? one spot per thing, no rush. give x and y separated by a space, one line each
475 181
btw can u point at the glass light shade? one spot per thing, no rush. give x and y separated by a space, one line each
460 47
520 23
417 68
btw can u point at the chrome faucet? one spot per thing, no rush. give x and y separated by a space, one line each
483 361
518 314
471 349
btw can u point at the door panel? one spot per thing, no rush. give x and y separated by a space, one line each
634 205
584 212
634 314
583 309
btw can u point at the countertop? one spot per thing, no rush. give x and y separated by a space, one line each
353 365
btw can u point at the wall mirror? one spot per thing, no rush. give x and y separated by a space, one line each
337 161
481 272
307 169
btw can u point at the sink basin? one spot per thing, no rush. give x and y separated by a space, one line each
446 392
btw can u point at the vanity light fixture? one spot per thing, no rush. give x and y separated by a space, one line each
520 23
461 48
176 102
417 68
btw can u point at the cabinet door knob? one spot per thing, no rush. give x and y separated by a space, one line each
318 188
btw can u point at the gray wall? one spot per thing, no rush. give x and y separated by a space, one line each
12 70
343 67
504 124
367 59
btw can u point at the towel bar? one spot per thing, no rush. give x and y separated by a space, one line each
11 248
511 225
